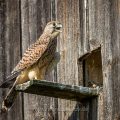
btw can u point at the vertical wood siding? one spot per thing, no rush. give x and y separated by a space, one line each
111 62
10 49
87 25
67 70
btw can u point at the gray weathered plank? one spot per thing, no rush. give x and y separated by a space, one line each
111 60
83 42
10 39
2 51
67 69
52 89
96 23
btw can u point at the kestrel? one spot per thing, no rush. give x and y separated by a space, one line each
34 63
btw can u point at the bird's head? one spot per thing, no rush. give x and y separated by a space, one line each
53 28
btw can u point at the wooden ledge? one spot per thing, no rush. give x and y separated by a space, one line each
51 89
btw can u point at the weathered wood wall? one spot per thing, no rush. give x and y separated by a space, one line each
68 15
111 60
87 25
10 38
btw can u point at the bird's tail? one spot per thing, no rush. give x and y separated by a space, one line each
9 99
9 81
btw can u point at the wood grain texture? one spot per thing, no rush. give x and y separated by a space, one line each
87 25
111 62
96 23
2 51
11 39
52 89
67 70
100 107
83 43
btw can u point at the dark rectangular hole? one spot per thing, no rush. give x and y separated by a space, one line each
92 68
92 76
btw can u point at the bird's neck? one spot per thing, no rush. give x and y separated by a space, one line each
45 37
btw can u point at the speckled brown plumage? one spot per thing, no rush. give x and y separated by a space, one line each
33 53
35 60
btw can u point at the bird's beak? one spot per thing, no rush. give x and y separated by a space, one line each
58 27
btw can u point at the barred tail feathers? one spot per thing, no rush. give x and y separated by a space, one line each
9 99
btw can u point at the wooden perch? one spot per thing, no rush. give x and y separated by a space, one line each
51 89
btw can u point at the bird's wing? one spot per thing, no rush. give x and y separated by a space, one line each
8 82
33 53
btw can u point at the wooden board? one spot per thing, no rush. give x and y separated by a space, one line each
67 69
52 89
10 38
111 60
2 52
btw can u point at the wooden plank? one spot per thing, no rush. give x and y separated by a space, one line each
2 52
83 43
52 89
111 60
96 23
10 39
67 69
83 57
100 107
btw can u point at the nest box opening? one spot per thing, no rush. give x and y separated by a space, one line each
92 68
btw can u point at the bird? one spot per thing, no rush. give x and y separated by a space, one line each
35 62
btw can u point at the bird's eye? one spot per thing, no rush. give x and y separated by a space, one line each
54 24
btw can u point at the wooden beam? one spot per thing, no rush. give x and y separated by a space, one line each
88 53
51 89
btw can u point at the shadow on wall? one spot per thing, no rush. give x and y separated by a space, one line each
80 112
